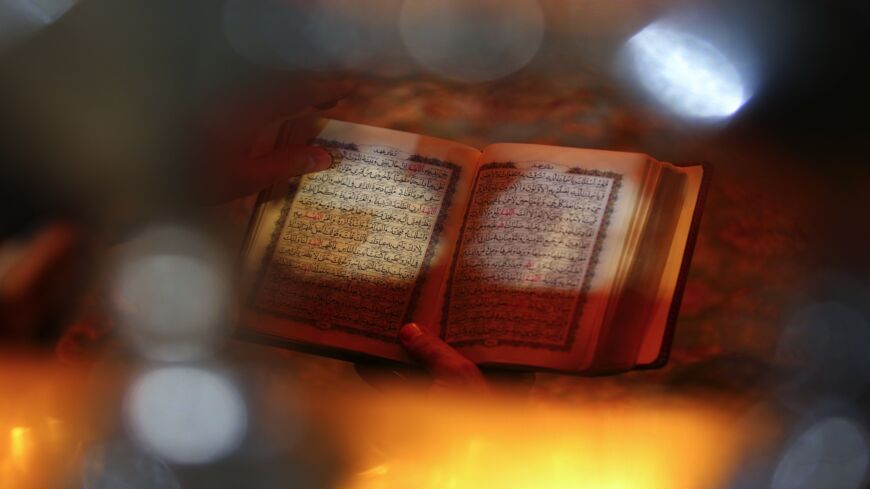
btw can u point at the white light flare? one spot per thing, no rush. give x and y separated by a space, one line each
186 415
172 295
831 454
472 41
685 73
20 19
314 35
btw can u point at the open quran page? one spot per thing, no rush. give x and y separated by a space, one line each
345 256
538 253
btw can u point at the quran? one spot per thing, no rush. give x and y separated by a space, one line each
518 255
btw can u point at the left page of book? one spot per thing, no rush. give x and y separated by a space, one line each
340 259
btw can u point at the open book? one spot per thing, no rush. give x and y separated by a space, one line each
518 255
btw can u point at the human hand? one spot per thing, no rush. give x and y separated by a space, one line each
37 277
231 127
449 369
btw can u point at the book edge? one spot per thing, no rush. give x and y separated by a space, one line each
682 278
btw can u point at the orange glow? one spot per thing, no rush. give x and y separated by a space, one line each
384 440
36 456
40 422
16 465
19 446
427 444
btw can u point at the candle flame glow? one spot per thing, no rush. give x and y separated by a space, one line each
645 447
19 443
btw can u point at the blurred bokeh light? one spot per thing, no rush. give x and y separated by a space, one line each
22 18
171 294
316 35
186 415
472 41
824 345
685 73
832 453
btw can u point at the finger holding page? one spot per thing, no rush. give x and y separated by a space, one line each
232 127
259 172
450 370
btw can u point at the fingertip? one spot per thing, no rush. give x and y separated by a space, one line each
301 159
409 333
317 159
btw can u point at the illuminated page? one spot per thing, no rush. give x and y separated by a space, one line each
538 252
357 250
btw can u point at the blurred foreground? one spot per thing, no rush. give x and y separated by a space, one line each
76 427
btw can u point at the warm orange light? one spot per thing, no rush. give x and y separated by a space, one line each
15 467
424 444
19 446
376 471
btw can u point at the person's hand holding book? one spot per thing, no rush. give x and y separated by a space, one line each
230 128
450 370
447 370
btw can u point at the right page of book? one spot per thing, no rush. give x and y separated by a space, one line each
539 249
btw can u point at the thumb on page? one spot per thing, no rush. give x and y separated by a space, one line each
279 165
448 367
290 161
